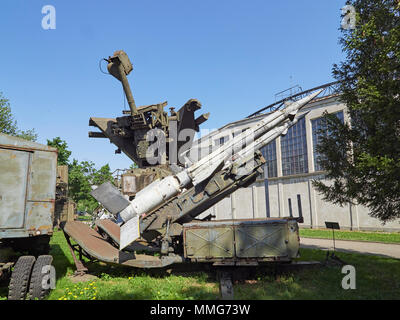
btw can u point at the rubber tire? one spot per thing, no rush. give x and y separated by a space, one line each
20 277
35 287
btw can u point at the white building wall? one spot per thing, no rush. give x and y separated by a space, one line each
245 203
315 210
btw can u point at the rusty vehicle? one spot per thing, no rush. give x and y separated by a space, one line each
157 221
27 199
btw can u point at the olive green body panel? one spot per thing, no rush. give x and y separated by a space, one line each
258 239
209 242
28 172
261 239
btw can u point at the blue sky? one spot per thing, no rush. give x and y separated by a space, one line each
233 56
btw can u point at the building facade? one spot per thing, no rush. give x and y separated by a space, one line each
286 188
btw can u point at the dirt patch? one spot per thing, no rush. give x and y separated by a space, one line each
82 278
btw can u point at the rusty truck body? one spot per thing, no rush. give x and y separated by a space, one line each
28 173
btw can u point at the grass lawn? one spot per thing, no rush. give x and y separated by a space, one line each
385 237
376 278
84 218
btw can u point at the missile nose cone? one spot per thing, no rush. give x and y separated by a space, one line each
302 102
316 93
297 105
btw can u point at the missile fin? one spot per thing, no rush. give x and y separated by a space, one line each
129 232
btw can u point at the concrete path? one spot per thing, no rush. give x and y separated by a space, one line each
374 248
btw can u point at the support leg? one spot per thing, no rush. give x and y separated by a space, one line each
225 285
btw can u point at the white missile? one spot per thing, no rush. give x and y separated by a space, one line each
261 142
206 166
252 139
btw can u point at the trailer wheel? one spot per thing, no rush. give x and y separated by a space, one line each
20 278
36 290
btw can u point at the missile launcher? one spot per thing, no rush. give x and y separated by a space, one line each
162 214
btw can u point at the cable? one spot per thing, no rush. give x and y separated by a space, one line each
101 69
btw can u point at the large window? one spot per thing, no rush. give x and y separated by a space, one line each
269 153
220 141
294 150
318 129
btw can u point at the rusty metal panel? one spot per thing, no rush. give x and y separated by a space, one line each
208 242
39 217
129 184
14 168
43 177
261 239
132 184
28 172
109 227
71 209
66 211
62 174
92 242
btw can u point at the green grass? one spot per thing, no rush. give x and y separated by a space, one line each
377 278
384 237
85 218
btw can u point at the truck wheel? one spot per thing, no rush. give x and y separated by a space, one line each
36 288
20 278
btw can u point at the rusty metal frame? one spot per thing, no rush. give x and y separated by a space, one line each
80 267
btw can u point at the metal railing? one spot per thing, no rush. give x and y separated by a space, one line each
329 89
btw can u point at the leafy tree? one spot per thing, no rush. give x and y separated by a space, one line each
362 158
63 152
30 134
102 175
8 125
82 176
79 184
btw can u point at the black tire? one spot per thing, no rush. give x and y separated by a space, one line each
36 290
20 277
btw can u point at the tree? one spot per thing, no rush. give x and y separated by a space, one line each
30 134
362 158
79 186
63 152
102 175
8 125
82 176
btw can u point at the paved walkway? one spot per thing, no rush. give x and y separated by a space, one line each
375 248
